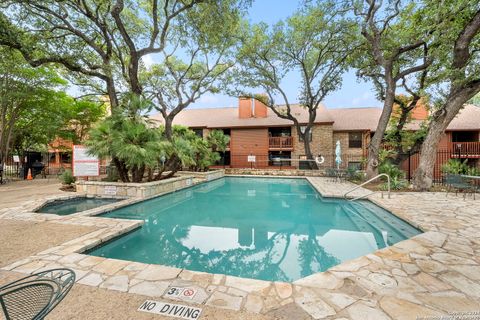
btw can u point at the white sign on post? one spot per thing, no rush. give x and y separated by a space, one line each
84 165
251 159
16 158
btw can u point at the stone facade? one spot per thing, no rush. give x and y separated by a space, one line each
204 176
351 154
321 144
140 190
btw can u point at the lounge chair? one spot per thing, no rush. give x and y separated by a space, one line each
33 297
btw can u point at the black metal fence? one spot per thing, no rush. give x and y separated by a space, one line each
357 161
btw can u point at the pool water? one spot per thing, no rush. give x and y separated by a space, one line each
69 206
263 228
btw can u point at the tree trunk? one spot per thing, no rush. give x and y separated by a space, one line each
423 178
308 152
122 170
375 143
168 129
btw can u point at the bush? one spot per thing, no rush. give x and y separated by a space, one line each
455 166
392 170
67 177
397 176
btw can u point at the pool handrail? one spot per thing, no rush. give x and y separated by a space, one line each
364 183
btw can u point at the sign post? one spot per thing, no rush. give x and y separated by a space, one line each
251 159
84 165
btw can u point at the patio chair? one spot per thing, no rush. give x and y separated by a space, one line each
458 183
33 297
331 173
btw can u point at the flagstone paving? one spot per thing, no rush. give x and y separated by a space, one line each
431 274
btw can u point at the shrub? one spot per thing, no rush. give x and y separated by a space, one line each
455 166
67 177
392 170
397 176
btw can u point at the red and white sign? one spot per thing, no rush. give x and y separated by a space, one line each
179 292
84 165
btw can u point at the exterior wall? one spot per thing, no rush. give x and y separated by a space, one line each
445 141
351 154
260 109
248 141
204 176
321 144
245 108
139 190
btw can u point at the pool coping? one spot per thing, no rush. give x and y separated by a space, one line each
217 290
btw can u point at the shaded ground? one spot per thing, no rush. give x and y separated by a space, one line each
86 302
20 239
15 192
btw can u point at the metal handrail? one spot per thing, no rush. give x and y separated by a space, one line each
364 183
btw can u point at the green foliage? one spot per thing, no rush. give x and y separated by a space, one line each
136 146
218 141
392 170
67 177
397 176
395 184
33 107
455 166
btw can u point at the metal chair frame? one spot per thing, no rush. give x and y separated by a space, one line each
55 284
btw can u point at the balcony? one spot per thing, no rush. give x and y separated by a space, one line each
464 149
280 143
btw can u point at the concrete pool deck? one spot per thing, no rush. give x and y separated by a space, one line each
431 274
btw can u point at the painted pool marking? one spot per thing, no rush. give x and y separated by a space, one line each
170 310
179 292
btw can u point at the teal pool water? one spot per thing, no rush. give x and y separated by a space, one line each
69 206
261 228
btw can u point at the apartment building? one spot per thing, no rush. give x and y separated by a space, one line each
255 130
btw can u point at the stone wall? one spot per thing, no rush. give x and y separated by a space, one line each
321 144
274 172
204 176
140 190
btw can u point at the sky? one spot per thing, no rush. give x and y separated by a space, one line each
353 94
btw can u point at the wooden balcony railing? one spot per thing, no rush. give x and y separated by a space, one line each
464 148
281 143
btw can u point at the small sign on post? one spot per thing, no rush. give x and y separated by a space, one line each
83 164
251 159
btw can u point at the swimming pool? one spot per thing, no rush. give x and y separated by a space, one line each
263 228
70 206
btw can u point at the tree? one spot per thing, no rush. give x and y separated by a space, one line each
401 141
30 106
103 42
80 116
315 44
197 61
455 75
393 50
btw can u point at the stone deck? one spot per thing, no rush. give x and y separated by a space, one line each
431 274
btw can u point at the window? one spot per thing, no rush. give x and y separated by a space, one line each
354 165
303 165
302 129
355 140
198 132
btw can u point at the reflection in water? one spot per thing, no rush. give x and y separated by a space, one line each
271 229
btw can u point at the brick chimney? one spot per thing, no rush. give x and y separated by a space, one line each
245 107
260 109
420 111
